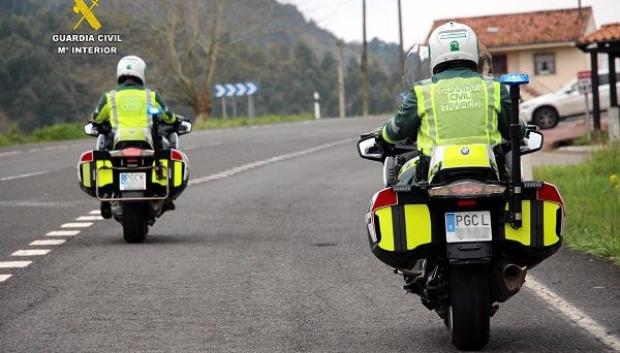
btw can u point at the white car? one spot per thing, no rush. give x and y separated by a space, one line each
547 110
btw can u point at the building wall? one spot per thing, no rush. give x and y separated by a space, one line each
568 60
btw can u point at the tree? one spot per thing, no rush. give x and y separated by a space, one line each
192 53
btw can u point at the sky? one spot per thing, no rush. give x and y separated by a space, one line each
344 17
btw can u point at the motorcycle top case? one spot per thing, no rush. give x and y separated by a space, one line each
404 227
98 173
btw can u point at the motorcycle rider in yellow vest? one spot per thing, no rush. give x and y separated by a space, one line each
126 110
126 107
457 105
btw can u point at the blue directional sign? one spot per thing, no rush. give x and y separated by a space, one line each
236 89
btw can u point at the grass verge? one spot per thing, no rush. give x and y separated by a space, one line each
592 195
58 132
244 121
71 131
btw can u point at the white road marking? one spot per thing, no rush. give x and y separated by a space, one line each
95 212
4 277
573 314
10 153
14 264
283 157
77 225
22 176
63 233
89 218
31 252
46 242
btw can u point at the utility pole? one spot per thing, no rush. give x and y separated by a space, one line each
365 88
341 97
400 33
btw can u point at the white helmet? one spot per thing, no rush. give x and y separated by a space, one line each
453 41
132 66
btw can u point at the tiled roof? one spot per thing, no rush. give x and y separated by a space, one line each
607 33
539 27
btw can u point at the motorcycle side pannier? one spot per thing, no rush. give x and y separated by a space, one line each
399 234
543 224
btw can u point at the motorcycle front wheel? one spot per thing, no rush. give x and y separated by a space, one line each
469 314
134 222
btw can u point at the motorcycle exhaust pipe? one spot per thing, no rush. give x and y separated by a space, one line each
514 276
509 280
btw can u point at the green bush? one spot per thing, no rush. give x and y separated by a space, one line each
592 196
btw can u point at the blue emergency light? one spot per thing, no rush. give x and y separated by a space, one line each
514 79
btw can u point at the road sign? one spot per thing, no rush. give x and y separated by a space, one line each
584 82
236 89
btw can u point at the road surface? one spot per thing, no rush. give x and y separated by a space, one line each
267 252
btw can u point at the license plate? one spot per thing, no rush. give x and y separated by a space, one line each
468 227
132 181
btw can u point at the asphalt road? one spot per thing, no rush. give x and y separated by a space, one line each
267 252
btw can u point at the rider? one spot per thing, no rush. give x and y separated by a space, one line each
125 108
457 105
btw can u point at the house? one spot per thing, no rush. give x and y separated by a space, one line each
540 43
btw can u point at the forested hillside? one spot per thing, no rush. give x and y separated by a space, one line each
189 46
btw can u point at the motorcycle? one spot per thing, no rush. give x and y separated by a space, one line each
136 181
466 231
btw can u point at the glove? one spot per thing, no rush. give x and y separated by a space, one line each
386 147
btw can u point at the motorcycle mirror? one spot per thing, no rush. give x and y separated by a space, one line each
368 149
91 130
533 142
185 128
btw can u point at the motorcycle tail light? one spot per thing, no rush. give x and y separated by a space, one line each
467 188
384 198
131 152
176 155
87 157
549 192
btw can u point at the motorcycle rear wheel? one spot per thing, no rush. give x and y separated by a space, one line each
469 314
135 225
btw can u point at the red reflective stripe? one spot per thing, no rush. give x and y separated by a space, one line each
87 157
549 192
176 155
466 203
385 197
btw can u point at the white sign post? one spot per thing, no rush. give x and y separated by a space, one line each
317 106
584 83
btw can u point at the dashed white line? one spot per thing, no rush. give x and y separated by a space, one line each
89 218
26 175
63 233
95 212
10 153
46 242
573 314
14 264
283 157
77 225
31 252
5 277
